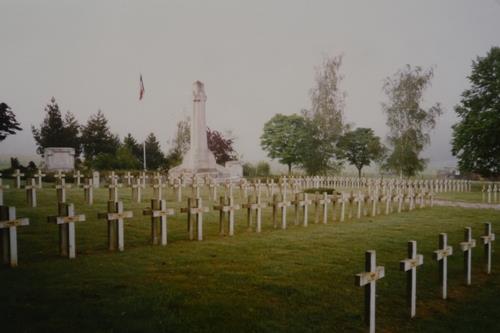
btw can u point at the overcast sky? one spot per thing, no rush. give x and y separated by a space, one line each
256 58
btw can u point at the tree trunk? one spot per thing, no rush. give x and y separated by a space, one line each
289 169
359 172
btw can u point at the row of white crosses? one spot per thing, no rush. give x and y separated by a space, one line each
373 273
491 192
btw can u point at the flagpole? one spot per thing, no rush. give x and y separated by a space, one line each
144 154
141 95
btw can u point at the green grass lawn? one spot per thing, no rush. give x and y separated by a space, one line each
299 279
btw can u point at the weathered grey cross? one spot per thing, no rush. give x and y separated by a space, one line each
8 228
66 221
230 208
115 218
61 189
31 192
198 210
159 220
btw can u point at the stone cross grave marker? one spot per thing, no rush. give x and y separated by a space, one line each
230 208
116 230
323 201
137 191
77 176
159 221
88 191
66 221
59 176
283 204
30 188
18 176
368 279
297 203
178 188
158 188
113 189
8 229
197 210
441 256
409 266
129 177
195 188
305 209
488 240
256 206
466 246
2 187
39 175
143 177
61 190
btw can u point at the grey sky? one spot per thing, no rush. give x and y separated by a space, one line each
256 59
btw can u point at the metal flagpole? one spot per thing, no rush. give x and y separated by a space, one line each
144 154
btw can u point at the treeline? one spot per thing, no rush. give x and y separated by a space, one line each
97 147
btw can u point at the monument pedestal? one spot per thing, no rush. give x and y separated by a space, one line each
199 160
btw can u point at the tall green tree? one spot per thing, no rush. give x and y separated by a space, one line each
408 121
155 158
476 138
133 146
8 123
326 117
284 139
55 131
180 143
97 138
360 147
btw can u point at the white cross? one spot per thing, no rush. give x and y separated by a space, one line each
198 210
488 239
40 175
159 213
31 192
410 267
88 190
467 247
441 256
77 175
129 178
368 279
66 221
61 190
8 229
137 191
230 208
18 176
116 230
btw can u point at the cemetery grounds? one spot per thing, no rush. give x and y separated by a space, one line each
295 280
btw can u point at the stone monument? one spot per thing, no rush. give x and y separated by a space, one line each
199 160
59 159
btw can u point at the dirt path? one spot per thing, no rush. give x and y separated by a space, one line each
439 202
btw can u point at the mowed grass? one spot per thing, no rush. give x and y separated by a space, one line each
294 280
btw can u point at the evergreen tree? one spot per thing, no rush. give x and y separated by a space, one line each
56 132
155 158
97 138
8 122
133 146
